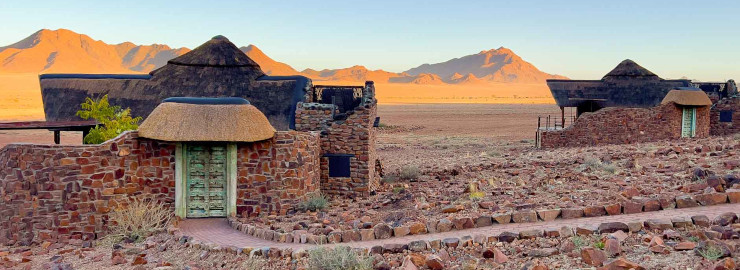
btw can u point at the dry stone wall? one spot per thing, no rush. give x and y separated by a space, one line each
353 134
275 175
57 193
725 128
624 125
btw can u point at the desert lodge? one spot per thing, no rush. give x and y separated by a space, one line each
631 104
220 138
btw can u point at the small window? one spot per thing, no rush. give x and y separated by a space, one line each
725 116
339 165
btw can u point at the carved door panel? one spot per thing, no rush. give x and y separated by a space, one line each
688 123
206 180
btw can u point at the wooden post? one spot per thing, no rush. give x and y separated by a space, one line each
57 137
562 115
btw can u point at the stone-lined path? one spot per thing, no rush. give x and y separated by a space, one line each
218 231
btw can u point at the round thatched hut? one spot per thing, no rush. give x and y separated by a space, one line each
224 141
694 106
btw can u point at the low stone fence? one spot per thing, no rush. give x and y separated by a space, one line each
58 193
623 126
384 231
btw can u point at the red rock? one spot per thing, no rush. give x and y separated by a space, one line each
569 213
139 260
612 247
548 214
685 246
434 262
725 264
594 211
621 264
711 198
613 209
631 207
593 257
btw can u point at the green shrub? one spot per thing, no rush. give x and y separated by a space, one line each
599 245
113 120
314 203
339 258
711 252
409 173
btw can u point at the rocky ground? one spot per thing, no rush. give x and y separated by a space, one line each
713 245
431 178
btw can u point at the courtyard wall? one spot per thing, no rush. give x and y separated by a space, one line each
61 193
718 128
624 125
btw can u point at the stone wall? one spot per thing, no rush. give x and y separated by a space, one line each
624 125
57 193
275 175
725 128
351 133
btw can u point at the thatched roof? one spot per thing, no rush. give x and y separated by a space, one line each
687 98
215 69
628 69
216 52
211 120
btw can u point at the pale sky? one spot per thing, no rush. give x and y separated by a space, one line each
578 39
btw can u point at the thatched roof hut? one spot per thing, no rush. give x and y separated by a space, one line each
695 97
215 69
206 120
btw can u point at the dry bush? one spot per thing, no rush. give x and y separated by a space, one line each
138 220
409 173
314 203
339 258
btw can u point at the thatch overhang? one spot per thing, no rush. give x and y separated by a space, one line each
215 69
627 85
695 97
206 120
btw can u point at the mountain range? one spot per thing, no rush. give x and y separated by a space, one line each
64 51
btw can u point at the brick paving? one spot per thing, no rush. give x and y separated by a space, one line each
217 231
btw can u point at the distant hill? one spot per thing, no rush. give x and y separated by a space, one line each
50 51
269 66
496 65
354 73
64 51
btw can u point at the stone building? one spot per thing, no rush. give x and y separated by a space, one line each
632 104
681 114
211 154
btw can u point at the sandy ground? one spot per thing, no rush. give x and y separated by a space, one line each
496 121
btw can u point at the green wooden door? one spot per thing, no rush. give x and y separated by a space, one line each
206 180
688 122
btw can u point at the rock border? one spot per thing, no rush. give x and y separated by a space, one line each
654 225
384 231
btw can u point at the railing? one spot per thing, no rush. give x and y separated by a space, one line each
549 122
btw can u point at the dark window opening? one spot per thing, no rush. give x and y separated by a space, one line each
725 116
339 165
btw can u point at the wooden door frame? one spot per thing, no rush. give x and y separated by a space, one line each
693 120
181 180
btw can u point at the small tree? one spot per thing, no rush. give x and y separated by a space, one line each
113 119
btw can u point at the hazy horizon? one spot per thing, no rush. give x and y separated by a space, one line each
580 39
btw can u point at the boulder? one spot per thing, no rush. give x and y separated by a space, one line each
686 201
444 225
569 213
592 256
524 216
594 211
548 214
382 231
610 227
434 262
622 264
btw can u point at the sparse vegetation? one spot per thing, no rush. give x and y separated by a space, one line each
398 189
339 258
579 242
596 165
409 173
600 245
137 220
711 252
693 239
314 203
113 119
